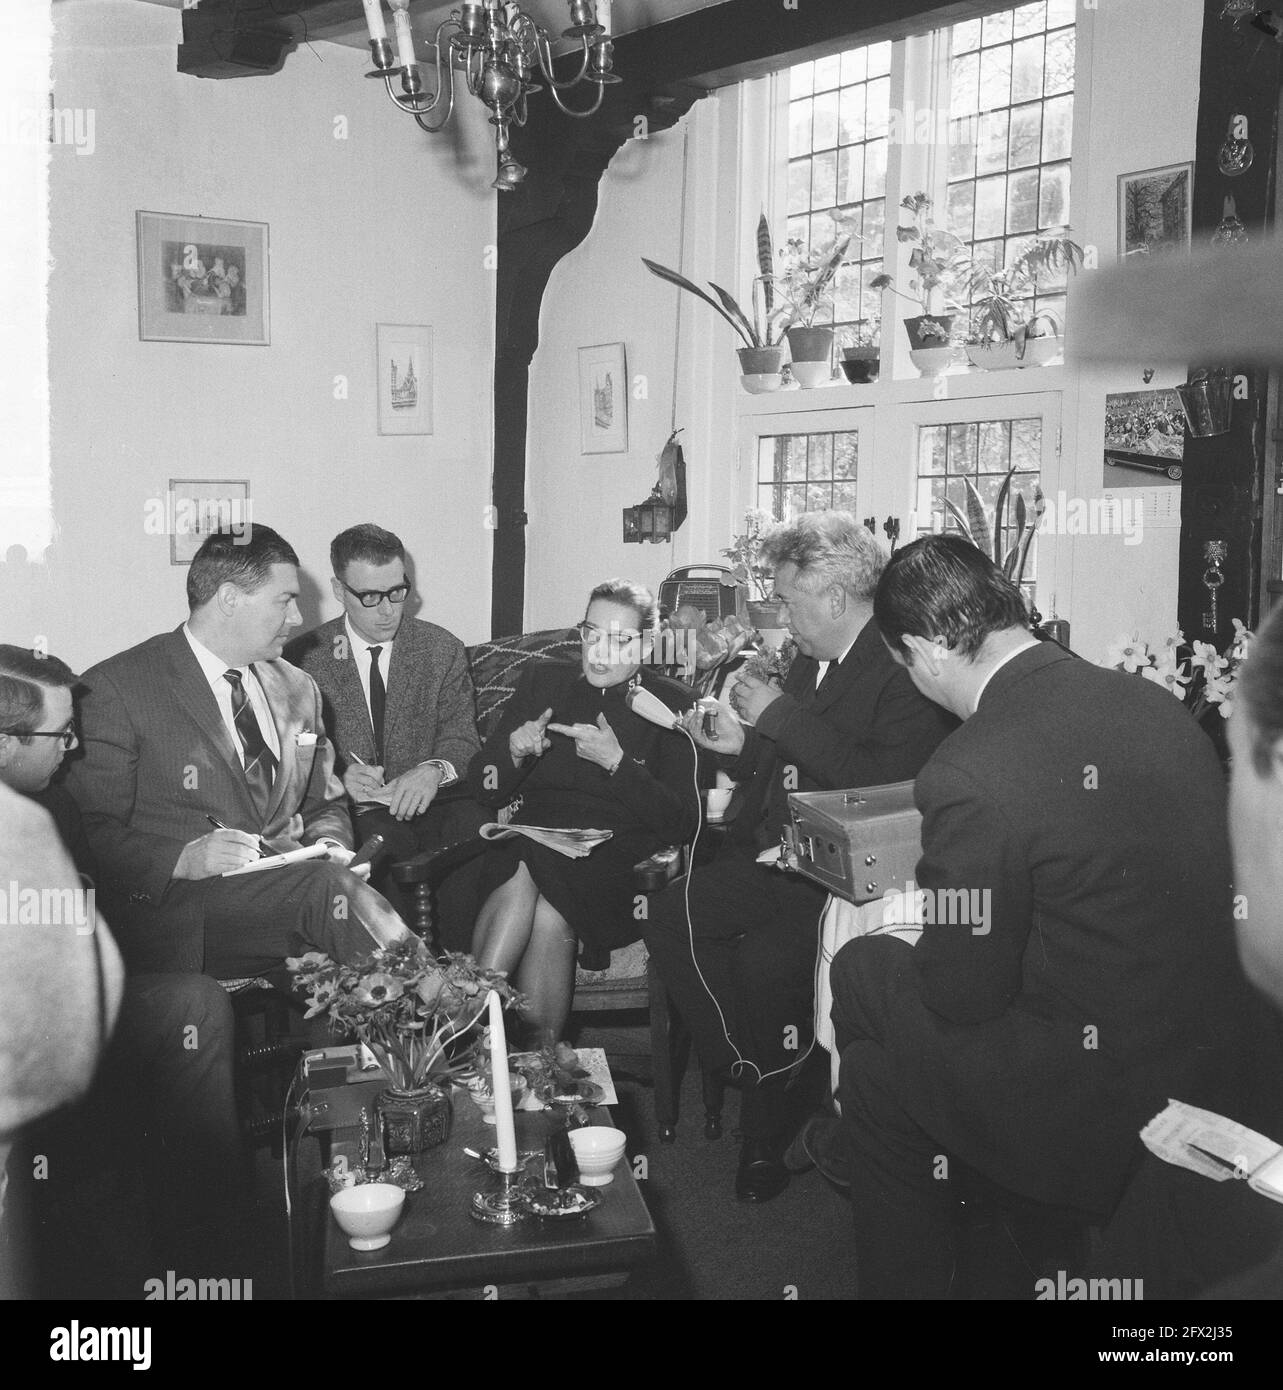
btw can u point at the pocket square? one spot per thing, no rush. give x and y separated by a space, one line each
305 739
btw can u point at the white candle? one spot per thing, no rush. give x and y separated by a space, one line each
911 531
404 34
603 15
505 1127
374 19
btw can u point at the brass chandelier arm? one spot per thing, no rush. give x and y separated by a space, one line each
543 51
591 111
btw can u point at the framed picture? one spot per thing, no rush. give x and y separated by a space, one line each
603 399
404 378
200 507
1154 210
1144 439
201 281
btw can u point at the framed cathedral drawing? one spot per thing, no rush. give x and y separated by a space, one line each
404 378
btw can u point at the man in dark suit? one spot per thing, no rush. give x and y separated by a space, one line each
400 710
847 716
1086 811
207 725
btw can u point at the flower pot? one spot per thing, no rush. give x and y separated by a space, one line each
920 340
766 614
760 369
860 365
812 353
931 361
995 357
414 1121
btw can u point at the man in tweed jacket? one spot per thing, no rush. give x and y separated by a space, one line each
399 707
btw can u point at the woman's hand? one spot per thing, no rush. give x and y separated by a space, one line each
530 740
595 742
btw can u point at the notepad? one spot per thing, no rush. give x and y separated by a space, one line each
278 861
1208 1143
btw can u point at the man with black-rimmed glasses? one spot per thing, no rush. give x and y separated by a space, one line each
400 710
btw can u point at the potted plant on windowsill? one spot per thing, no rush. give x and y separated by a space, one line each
747 569
940 262
861 359
763 335
806 287
1003 332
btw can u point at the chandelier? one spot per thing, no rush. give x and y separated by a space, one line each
500 50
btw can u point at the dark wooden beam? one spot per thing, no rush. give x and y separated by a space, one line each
1223 483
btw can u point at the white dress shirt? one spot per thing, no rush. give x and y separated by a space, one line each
1023 647
822 668
213 668
361 653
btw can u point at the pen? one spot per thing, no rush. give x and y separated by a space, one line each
263 851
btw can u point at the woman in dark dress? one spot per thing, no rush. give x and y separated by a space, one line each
580 758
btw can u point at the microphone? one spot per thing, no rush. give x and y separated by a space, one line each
368 852
641 701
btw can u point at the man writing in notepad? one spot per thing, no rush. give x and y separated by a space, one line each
207 723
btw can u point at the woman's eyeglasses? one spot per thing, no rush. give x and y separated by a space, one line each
590 634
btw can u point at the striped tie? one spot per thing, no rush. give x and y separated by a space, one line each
260 762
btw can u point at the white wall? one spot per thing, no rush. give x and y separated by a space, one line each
388 225
1137 118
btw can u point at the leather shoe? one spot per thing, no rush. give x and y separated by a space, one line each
761 1174
819 1144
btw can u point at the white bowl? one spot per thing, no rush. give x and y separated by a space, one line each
931 361
597 1149
811 374
760 383
367 1212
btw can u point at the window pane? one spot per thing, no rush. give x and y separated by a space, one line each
799 196
827 72
1053 202
824 134
879 59
819 456
844 455
824 179
964 85
931 445
1026 137
962 151
854 66
1060 12
843 497
990 206
1026 69
991 153
850 174
995 77
875 169
1030 19
966 35
874 226
997 27
994 446
800 127
1057 126
800 78
878 108
851 114
1022 201
1026 444
1059 62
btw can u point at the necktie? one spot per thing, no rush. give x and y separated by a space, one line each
378 702
260 762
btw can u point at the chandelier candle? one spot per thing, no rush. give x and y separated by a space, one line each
505 1126
404 34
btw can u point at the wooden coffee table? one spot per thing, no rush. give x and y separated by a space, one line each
438 1249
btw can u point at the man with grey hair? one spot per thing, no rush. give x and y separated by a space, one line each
741 970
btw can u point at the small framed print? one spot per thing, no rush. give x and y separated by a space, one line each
1154 210
200 507
603 399
405 378
202 281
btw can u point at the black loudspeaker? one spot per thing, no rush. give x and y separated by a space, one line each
219 42
263 49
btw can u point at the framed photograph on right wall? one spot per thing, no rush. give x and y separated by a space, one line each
1154 213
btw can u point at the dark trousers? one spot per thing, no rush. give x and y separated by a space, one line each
456 903
254 921
903 1195
756 933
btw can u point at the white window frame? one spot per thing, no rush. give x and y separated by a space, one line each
765 423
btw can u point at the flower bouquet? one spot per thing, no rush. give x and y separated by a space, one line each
412 1010
1205 678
